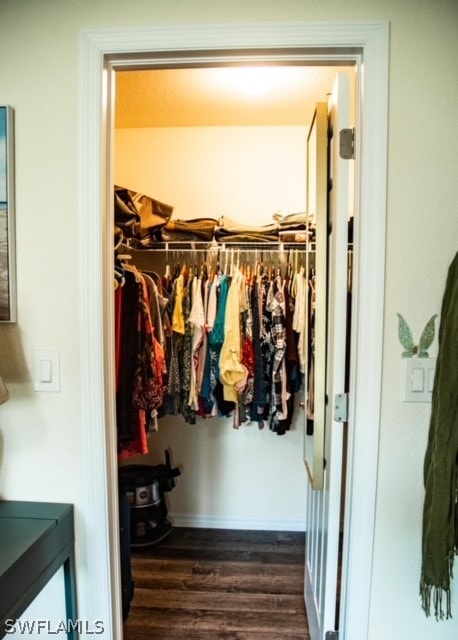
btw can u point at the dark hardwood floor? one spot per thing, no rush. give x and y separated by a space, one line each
211 584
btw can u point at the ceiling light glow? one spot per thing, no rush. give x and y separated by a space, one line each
256 81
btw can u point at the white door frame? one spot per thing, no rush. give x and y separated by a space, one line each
98 565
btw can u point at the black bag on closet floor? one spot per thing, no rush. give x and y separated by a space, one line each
144 486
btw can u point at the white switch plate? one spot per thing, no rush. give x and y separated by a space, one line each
418 379
46 370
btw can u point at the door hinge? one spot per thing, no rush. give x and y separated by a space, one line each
331 635
341 407
347 144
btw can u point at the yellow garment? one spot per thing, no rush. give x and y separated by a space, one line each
177 314
231 369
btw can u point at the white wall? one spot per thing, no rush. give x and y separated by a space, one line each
41 448
232 478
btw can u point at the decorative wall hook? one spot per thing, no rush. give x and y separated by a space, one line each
407 341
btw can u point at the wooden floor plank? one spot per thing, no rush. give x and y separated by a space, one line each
211 567
185 634
242 555
217 620
252 565
270 586
240 602
206 584
220 576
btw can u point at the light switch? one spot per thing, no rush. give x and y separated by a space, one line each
418 379
46 370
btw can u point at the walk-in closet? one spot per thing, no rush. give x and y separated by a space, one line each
214 290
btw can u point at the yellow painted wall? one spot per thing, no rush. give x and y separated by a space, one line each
241 173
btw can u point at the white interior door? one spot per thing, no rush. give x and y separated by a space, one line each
324 504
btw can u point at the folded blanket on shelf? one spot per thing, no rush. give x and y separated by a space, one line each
246 233
198 229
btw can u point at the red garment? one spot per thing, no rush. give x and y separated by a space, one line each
248 356
140 391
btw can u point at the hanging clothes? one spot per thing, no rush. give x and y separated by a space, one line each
197 321
139 391
299 289
276 306
178 354
215 343
228 344
233 374
260 397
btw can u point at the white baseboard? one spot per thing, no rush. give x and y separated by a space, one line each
232 522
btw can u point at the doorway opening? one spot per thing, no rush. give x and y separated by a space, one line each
226 143
101 50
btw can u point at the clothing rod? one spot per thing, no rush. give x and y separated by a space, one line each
246 247
238 248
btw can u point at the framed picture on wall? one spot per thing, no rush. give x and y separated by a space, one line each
7 235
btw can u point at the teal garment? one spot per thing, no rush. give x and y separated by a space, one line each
440 521
216 337
214 344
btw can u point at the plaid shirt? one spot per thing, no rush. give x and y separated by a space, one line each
276 303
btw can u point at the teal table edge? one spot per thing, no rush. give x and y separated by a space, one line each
36 539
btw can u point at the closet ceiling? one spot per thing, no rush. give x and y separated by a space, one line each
224 96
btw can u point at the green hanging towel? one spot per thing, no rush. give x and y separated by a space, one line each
440 519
